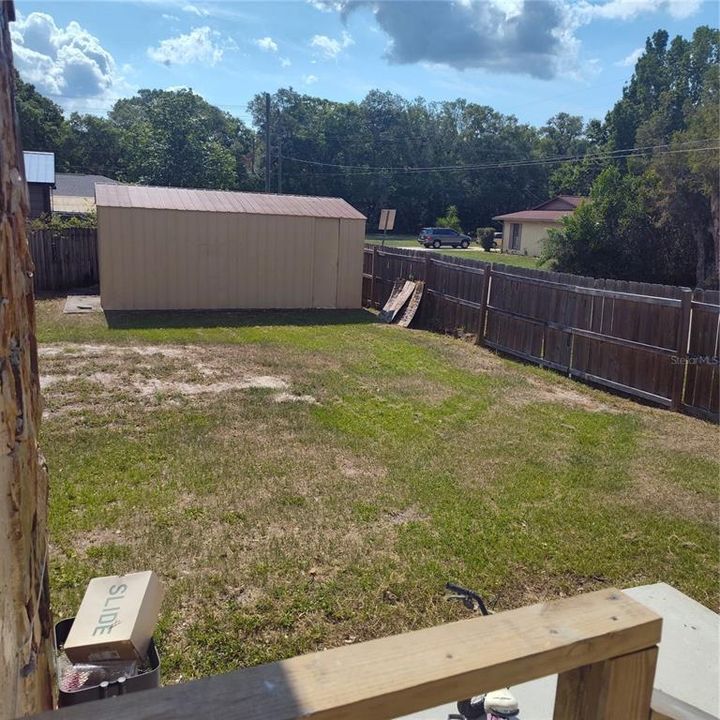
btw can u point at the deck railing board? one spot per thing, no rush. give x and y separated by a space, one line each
397 675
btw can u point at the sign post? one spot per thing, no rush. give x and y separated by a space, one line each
387 222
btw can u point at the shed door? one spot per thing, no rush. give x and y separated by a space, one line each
325 263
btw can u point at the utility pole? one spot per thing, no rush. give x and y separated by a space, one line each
267 142
279 160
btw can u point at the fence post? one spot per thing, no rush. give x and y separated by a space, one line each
683 338
372 277
487 274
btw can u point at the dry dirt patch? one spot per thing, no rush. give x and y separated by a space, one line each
144 372
538 391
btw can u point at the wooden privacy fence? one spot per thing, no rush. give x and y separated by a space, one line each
655 342
64 259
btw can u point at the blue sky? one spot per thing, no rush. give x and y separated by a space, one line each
530 58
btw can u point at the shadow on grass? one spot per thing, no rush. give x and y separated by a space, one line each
139 319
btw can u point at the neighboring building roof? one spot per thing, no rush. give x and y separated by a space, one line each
551 216
163 198
560 202
550 211
39 167
78 185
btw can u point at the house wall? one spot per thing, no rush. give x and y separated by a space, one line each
39 199
174 259
532 236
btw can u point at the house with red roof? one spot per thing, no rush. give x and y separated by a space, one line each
524 232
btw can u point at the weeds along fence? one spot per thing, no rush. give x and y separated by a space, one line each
655 342
64 259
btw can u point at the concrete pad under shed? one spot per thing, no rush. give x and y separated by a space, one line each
686 680
80 304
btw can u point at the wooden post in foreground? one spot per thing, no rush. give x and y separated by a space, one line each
24 608
617 688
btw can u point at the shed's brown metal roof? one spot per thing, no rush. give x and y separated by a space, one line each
165 198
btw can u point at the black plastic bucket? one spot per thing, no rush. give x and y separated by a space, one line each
145 681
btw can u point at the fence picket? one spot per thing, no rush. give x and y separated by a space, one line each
64 259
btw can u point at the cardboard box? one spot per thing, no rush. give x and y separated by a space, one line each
116 619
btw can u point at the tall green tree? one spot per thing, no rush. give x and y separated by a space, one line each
92 145
670 104
178 138
42 124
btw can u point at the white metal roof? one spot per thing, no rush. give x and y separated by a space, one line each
164 198
39 167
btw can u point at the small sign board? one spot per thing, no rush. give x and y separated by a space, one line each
387 219
116 618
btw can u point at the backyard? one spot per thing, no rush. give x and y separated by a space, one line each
302 481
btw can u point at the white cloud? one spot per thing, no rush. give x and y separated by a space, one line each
310 79
62 61
201 45
326 5
330 47
629 9
267 44
285 62
530 37
171 18
631 59
195 10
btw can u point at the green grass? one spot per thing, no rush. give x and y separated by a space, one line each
473 253
284 527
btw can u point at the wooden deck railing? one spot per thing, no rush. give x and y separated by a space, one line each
602 644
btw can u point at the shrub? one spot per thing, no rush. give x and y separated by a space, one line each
62 222
486 237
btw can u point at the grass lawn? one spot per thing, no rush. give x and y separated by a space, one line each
474 253
302 481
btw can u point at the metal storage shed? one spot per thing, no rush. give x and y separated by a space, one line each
172 249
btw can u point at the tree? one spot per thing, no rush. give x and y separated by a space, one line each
177 138
451 219
42 125
92 145
655 217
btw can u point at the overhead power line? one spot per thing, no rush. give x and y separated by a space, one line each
665 149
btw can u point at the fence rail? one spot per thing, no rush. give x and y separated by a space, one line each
655 342
64 259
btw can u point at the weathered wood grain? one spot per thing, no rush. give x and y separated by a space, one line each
24 603
617 688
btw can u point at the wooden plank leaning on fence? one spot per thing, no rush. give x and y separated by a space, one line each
603 644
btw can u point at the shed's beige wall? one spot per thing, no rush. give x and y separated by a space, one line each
532 236
175 260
